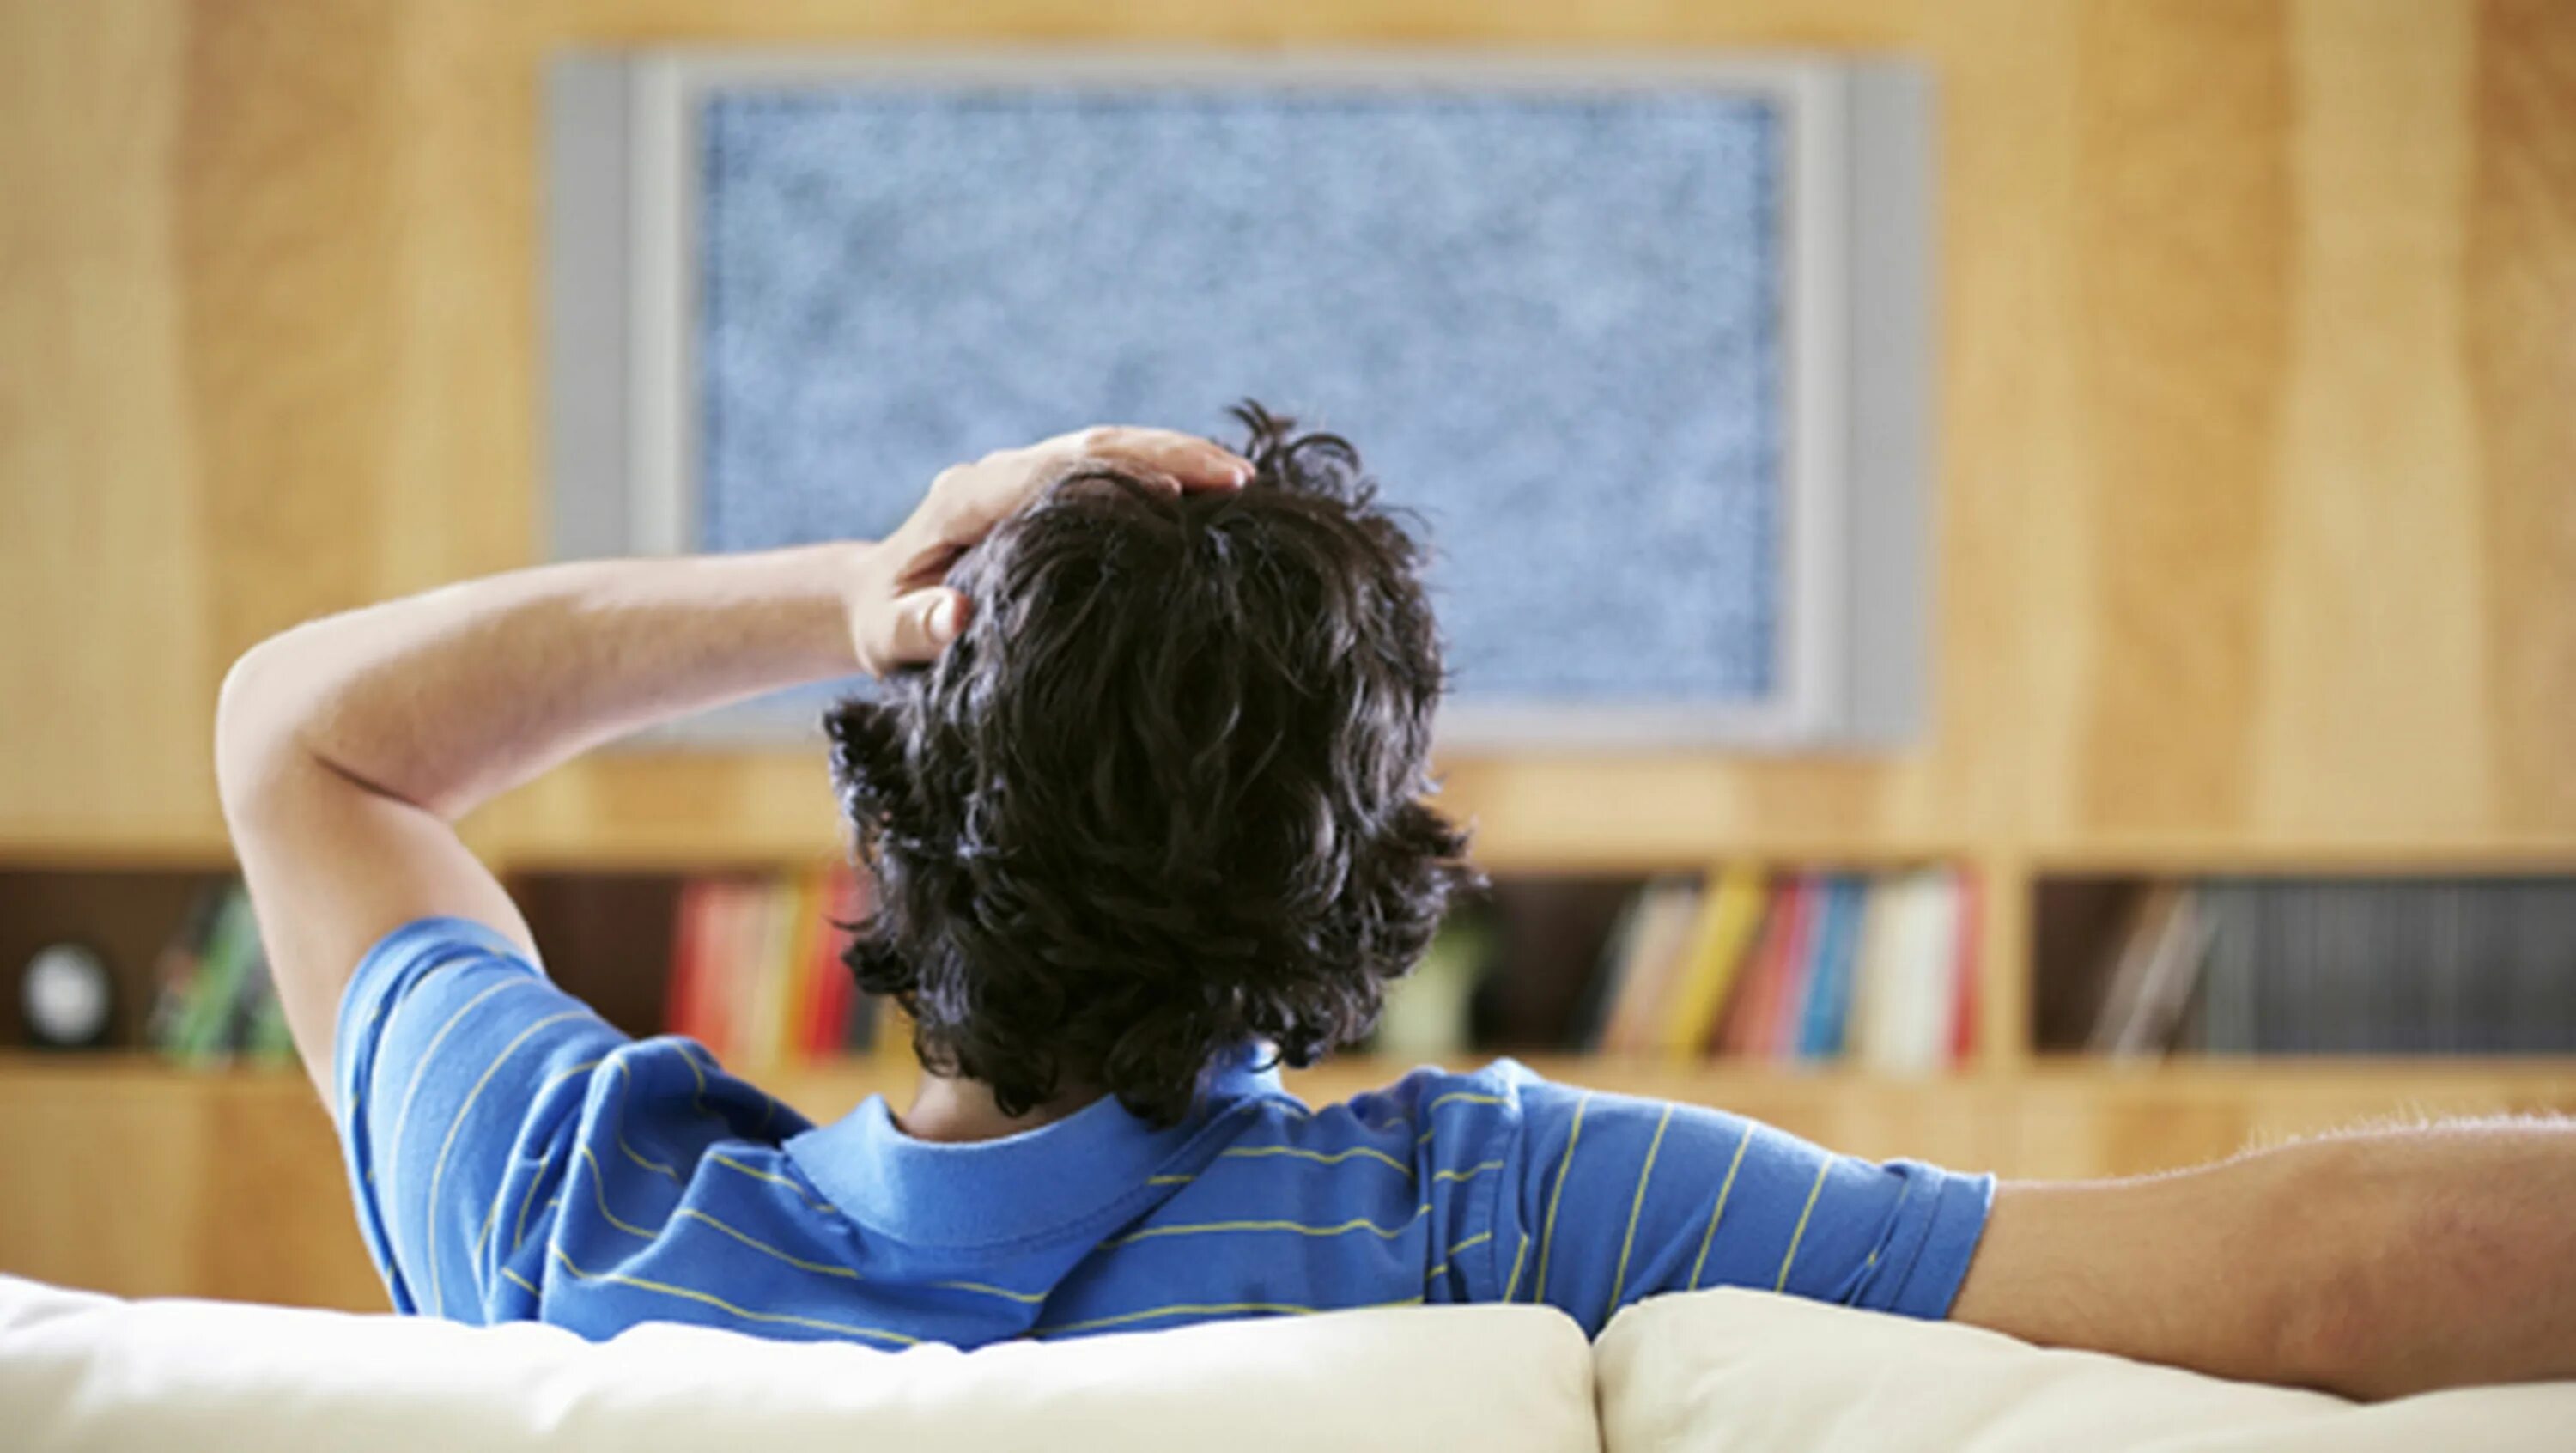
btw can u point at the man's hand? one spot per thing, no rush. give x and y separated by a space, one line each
900 613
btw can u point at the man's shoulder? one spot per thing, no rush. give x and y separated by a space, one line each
1434 1104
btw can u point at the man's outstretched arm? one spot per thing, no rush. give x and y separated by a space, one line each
2372 1265
347 746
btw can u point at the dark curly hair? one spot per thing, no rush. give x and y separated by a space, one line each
1162 797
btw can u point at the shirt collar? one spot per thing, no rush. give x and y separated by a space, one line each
1024 1187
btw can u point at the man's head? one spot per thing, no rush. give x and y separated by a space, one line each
1162 796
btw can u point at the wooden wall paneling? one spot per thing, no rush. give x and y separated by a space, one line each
272 1219
104 689
103 1179
2182 225
2371 713
2005 965
287 244
169 1184
2257 501
272 331
2518 326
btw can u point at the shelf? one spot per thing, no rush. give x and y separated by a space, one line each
58 854
2203 857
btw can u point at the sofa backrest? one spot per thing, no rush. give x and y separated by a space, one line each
80 1371
1747 1370
1698 1373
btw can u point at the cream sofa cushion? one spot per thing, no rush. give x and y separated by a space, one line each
80 1371
1711 1371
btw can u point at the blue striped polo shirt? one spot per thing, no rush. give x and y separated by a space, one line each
516 1158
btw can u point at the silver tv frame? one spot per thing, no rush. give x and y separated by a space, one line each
621 291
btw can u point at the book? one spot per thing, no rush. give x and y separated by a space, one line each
1908 985
829 988
176 970
205 1033
1884 1009
684 993
793 967
2150 1022
1425 1012
1662 938
731 939
1720 941
1967 968
1591 1018
1827 1002
1749 1026
2131 957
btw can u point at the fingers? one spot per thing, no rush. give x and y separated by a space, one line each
969 499
920 625
1190 461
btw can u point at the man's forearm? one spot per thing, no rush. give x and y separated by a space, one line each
2435 1258
446 698
2368 1264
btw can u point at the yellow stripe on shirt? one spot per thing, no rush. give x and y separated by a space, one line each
822 1268
491 1217
599 1194
619 1278
420 1067
755 1243
1198 1228
1455 1097
626 1086
1320 1157
1547 1234
1723 1191
1028 1299
1800 1234
438 1168
1637 1206
756 1173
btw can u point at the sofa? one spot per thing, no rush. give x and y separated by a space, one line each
1705 1371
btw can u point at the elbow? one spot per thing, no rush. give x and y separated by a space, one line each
256 726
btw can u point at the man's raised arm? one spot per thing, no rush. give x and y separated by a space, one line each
347 746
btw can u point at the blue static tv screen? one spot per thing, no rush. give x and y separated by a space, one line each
1550 322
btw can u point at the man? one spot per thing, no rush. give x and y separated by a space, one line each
1144 791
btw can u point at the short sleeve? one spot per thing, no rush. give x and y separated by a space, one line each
460 1072
1614 1198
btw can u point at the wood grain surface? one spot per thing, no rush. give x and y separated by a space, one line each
2257 516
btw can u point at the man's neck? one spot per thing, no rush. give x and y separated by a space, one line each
958 1111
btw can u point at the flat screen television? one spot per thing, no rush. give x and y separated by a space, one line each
1644 344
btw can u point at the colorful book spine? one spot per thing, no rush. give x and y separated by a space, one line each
1730 917
1827 1002
1966 968
756 972
1752 1029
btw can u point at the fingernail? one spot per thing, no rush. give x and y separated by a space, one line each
943 619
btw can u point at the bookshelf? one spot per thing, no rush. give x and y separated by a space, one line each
155 1169
2049 915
